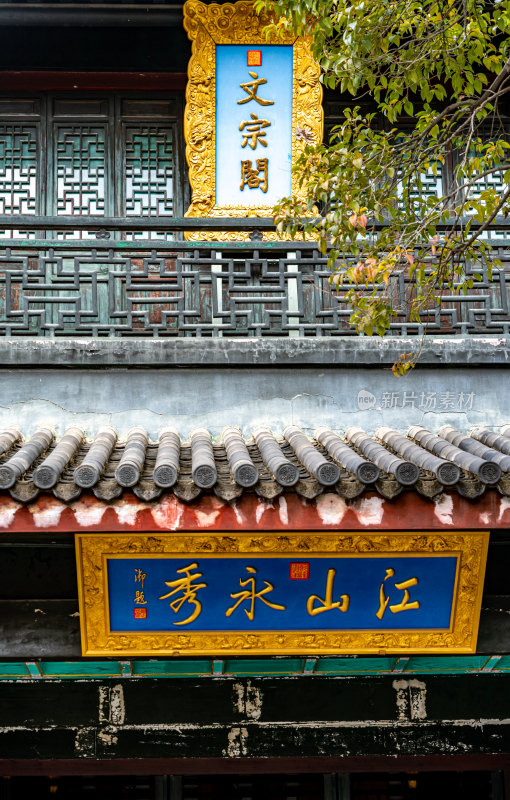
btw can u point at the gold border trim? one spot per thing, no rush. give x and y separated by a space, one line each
237 23
91 550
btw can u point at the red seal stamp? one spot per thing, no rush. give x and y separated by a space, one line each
254 58
299 571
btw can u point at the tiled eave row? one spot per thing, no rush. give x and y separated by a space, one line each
265 464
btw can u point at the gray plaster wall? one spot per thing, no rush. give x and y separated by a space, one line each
214 397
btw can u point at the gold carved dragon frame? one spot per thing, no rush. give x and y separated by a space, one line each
237 23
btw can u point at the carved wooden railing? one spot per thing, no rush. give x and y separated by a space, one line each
125 277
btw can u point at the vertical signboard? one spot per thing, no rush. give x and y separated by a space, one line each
253 124
253 102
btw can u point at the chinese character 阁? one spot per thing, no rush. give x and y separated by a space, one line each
251 88
251 596
327 603
404 604
250 176
189 592
254 133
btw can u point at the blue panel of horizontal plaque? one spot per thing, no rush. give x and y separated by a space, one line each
264 593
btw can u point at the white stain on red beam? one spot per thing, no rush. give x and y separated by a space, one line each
408 512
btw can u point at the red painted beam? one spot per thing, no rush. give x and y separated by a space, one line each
38 81
288 512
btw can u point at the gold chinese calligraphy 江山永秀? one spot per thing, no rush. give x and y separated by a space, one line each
211 150
193 593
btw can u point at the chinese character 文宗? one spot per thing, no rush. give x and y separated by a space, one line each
191 593
246 121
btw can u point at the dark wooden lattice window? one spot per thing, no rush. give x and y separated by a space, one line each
103 155
18 169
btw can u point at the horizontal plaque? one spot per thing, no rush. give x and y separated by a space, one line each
302 593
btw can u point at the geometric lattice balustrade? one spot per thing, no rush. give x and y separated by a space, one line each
112 287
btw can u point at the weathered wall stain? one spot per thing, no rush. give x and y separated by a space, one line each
410 512
247 700
411 699
85 743
111 705
237 745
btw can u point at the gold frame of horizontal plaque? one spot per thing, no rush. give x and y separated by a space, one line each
97 639
237 23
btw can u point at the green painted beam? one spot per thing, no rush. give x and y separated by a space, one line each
246 667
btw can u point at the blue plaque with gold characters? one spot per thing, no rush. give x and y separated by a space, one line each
300 593
253 124
253 102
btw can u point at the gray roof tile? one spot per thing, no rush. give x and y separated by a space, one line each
388 462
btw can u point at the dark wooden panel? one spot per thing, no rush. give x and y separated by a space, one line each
332 700
120 719
369 740
96 787
80 107
132 107
29 744
157 49
494 631
50 629
39 629
19 107
246 766
56 704
34 572
339 702
91 15
169 705
498 563
51 80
